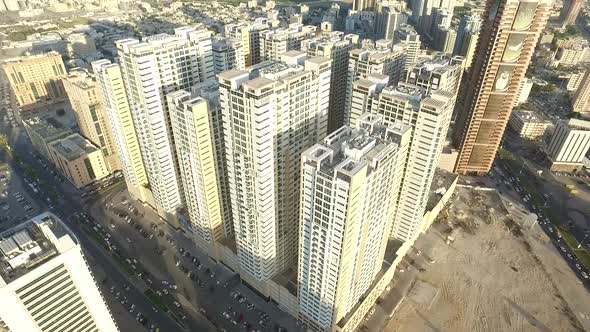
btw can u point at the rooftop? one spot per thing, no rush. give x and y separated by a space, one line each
46 128
579 124
30 244
73 147
528 116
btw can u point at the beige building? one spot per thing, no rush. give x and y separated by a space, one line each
78 160
89 108
249 36
192 128
488 93
36 79
349 194
123 129
528 125
574 80
43 131
581 98
569 144
571 55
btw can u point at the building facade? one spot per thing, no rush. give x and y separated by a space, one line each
36 79
336 47
228 54
490 91
80 161
45 281
429 116
528 125
569 144
151 69
349 191
87 103
569 12
581 98
274 43
249 35
193 137
270 116
123 129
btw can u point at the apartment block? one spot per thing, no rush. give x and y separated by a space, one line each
438 72
249 35
349 190
271 114
45 281
569 145
383 57
118 111
429 115
490 90
274 43
581 98
528 125
87 102
467 36
228 54
193 136
36 79
80 161
151 69
334 46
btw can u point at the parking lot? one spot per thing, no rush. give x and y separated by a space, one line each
180 280
15 204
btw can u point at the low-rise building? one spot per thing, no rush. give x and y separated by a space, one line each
569 144
80 161
528 124
43 131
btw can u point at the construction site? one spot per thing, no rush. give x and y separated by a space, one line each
478 270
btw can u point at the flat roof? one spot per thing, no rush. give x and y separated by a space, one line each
30 244
46 127
73 147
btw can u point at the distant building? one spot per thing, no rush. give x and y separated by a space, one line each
275 43
89 108
570 11
36 79
249 35
445 39
410 40
81 44
581 98
571 55
389 17
80 161
574 81
467 36
569 144
523 91
528 125
228 54
438 72
336 47
43 131
45 281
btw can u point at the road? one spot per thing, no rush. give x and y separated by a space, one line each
65 192
236 307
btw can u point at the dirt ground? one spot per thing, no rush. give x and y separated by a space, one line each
492 277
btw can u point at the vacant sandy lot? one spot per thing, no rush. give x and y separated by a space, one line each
491 278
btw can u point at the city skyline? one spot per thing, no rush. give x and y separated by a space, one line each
315 167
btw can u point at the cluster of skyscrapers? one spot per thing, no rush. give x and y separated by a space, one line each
295 151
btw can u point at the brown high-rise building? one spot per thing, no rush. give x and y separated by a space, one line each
506 44
570 11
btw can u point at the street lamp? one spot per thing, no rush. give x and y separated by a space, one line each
584 239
